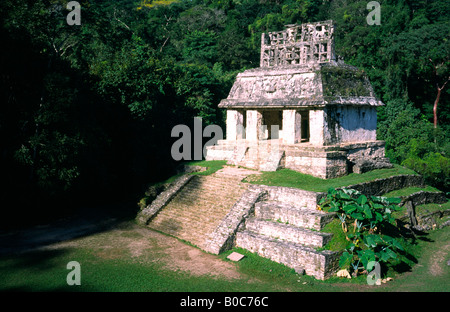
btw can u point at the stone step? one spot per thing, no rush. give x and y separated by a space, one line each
287 232
320 264
293 196
189 216
213 182
192 199
287 213
186 227
211 193
186 220
238 154
198 208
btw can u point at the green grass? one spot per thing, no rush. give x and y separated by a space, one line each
422 209
410 190
46 271
290 178
338 242
212 166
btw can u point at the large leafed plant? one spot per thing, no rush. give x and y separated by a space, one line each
365 222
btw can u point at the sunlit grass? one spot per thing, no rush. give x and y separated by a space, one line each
291 178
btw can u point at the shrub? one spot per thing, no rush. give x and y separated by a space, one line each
434 167
365 222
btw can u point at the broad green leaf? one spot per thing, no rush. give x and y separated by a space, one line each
345 259
397 244
362 200
391 253
370 241
349 208
384 256
357 215
368 212
366 256
333 209
378 216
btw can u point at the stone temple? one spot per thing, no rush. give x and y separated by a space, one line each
302 109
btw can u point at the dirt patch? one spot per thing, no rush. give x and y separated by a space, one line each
110 253
147 246
438 260
176 255
187 258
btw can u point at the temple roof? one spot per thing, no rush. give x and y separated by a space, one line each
298 69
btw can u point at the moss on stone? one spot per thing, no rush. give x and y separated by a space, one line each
344 81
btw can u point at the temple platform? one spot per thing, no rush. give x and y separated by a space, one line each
326 162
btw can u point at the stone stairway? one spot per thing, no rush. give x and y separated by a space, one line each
218 212
199 207
290 234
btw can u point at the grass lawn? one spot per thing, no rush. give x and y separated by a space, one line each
290 178
110 262
132 258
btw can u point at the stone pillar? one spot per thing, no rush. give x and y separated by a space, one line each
292 126
254 130
316 126
235 125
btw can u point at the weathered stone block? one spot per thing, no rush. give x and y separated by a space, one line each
288 232
286 213
382 186
320 264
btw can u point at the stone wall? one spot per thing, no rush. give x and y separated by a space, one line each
321 164
423 197
146 214
288 232
325 162
348 123
379 187
290 195
320 264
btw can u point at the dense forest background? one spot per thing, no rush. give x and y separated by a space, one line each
86 111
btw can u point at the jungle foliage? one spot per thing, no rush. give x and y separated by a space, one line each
88 109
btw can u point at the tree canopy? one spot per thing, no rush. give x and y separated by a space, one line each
89 108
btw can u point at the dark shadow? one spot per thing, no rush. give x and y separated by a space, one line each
39 259
86 220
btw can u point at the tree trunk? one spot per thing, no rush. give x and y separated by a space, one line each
439 90
435 106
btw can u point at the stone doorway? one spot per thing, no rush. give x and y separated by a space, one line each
304 126
272 119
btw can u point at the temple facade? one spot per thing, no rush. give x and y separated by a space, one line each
301 109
